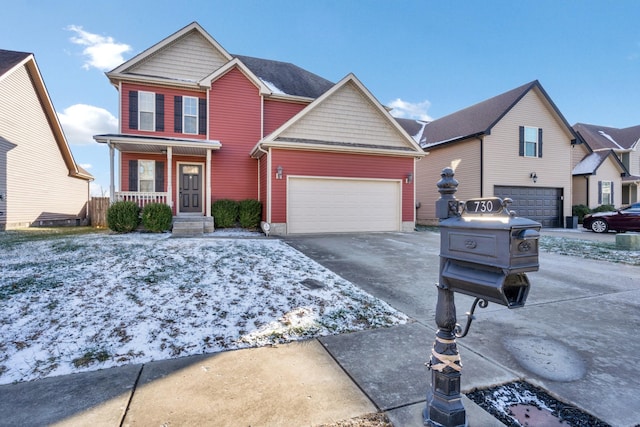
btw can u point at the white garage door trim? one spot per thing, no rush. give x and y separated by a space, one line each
340 205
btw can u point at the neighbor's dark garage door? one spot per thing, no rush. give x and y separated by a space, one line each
537 203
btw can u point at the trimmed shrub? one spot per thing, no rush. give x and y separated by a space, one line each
123 217
249 213
580 211
157 217
604 208
225 213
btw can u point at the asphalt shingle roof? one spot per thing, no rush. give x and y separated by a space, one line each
9 58
474 120
286 77
603 137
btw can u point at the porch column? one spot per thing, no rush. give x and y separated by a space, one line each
170 176
207 187
112 185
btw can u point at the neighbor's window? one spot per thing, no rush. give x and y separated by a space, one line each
606 193
146 110
146 175
530 142
190 114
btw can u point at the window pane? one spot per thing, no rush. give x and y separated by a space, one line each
531 134
190 106
146 186
147 170
146 121
530 149
190 124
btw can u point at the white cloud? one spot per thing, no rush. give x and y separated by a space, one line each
86 166
80 122
408 110
97 190
102 52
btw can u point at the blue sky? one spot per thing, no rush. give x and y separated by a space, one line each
427 58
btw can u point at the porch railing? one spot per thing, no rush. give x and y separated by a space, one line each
142 198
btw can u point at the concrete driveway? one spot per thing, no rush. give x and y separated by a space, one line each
575 337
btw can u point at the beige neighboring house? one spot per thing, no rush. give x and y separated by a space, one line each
515 145
607 166
40 182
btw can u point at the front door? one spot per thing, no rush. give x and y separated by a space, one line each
190 178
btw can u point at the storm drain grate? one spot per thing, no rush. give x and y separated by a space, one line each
520 404
312 284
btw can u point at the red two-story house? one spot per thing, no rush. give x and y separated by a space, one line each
198 124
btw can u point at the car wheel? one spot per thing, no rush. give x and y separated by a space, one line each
600 226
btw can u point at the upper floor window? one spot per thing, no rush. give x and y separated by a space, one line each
190 114
147 110
530 141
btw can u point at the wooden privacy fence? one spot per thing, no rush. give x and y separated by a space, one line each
98 211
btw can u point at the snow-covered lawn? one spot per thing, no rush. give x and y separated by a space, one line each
86 302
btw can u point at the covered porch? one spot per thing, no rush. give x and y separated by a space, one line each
173 171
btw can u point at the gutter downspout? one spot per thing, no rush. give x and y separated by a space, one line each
268 207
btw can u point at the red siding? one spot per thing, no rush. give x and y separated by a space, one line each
263 186
169 110
276 113
234 120
338 165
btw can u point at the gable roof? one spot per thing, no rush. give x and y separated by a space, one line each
278 137
10 61
608 138
480 118
591 162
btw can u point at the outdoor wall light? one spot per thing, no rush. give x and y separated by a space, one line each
409 178
279 172
534 177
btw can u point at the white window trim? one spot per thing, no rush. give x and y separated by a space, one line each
537 142
152 111
184 115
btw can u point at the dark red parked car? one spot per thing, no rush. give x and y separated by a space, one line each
624 219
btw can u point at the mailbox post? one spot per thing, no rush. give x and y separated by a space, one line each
485 252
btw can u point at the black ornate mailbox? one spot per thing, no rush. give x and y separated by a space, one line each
485 252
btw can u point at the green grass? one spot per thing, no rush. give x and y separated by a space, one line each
22 235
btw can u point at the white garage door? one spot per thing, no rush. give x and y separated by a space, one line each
322 205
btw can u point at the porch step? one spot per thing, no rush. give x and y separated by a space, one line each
192 226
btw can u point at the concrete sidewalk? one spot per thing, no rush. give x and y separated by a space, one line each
308 383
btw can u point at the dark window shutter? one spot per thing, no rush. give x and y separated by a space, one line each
202 116
599 192
159 176
133 175
522 140
539 142
159 112
133 109
177 114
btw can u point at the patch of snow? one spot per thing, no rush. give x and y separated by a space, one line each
418 134
81 303
609 137
273 88
588 165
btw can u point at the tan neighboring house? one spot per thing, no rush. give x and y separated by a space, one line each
40 182
607 167
515 145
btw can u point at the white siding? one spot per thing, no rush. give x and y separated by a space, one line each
347 116
504 166
190 57
464 158
33 174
